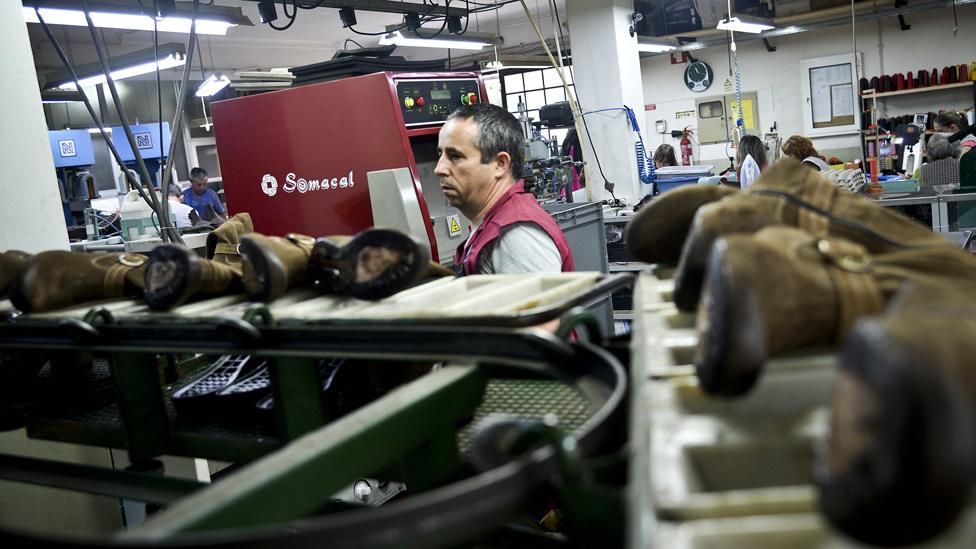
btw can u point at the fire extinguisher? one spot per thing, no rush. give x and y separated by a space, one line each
685 147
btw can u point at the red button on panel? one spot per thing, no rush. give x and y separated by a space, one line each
420 101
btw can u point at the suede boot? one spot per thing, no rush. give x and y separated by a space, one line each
272 264
783 289
787 194
657 232
176 273
374 264
57 279
900 460
222 242
10 264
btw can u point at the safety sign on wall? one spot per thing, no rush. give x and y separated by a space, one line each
454 224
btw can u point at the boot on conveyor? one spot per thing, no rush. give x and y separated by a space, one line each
787 194
784 289
176 273
900 460
56 279
10 264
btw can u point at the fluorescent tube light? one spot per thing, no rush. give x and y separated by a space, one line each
212 85
651 47
168 62
129 21
397 39
61 96
737 25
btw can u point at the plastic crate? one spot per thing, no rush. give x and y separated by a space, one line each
582 224
732 473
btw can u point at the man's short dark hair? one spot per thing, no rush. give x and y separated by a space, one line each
498 131
948 118
198 172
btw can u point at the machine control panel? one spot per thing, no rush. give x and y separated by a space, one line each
427 102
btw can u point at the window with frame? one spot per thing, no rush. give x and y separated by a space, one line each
536 88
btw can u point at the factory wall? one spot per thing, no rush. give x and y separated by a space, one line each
777 75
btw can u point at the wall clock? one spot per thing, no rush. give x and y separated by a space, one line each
698 76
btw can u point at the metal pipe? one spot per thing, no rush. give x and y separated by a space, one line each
175 134
103 59
91 110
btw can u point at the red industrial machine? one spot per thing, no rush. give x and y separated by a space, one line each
297 159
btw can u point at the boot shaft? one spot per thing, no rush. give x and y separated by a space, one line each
223 241
10 264
56 279
272 265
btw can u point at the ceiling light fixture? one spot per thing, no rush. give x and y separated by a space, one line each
652 47
60 96
397 39
738 25
214 20
123 66
211 86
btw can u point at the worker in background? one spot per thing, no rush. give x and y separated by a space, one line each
664 157
942 163
571 148
198 196
480 165
950 122
182 212
802 149
750 160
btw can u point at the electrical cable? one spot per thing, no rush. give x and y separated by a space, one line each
346 43
163 164
103 60
177 125
291 18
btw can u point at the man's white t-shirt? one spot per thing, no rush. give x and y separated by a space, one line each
521 248
182 213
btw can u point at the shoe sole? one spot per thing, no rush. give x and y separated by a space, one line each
342 267
731 346
264 274
914 480
168 274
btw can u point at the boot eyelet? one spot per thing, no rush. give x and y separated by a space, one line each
132 260
301 239
855 263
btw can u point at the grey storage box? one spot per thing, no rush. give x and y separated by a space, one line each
582 223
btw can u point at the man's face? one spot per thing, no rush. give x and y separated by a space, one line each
199 184
465 180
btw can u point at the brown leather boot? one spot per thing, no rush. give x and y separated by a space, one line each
223 241
273 264
899 463
10 263
58 279
783 289
790 195
175 274
657 232
374 264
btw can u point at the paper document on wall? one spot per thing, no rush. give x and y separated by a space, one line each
831 93
747 115
842 100
820 95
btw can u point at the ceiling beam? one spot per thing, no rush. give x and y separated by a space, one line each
387 6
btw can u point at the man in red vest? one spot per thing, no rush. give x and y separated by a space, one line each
480 165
